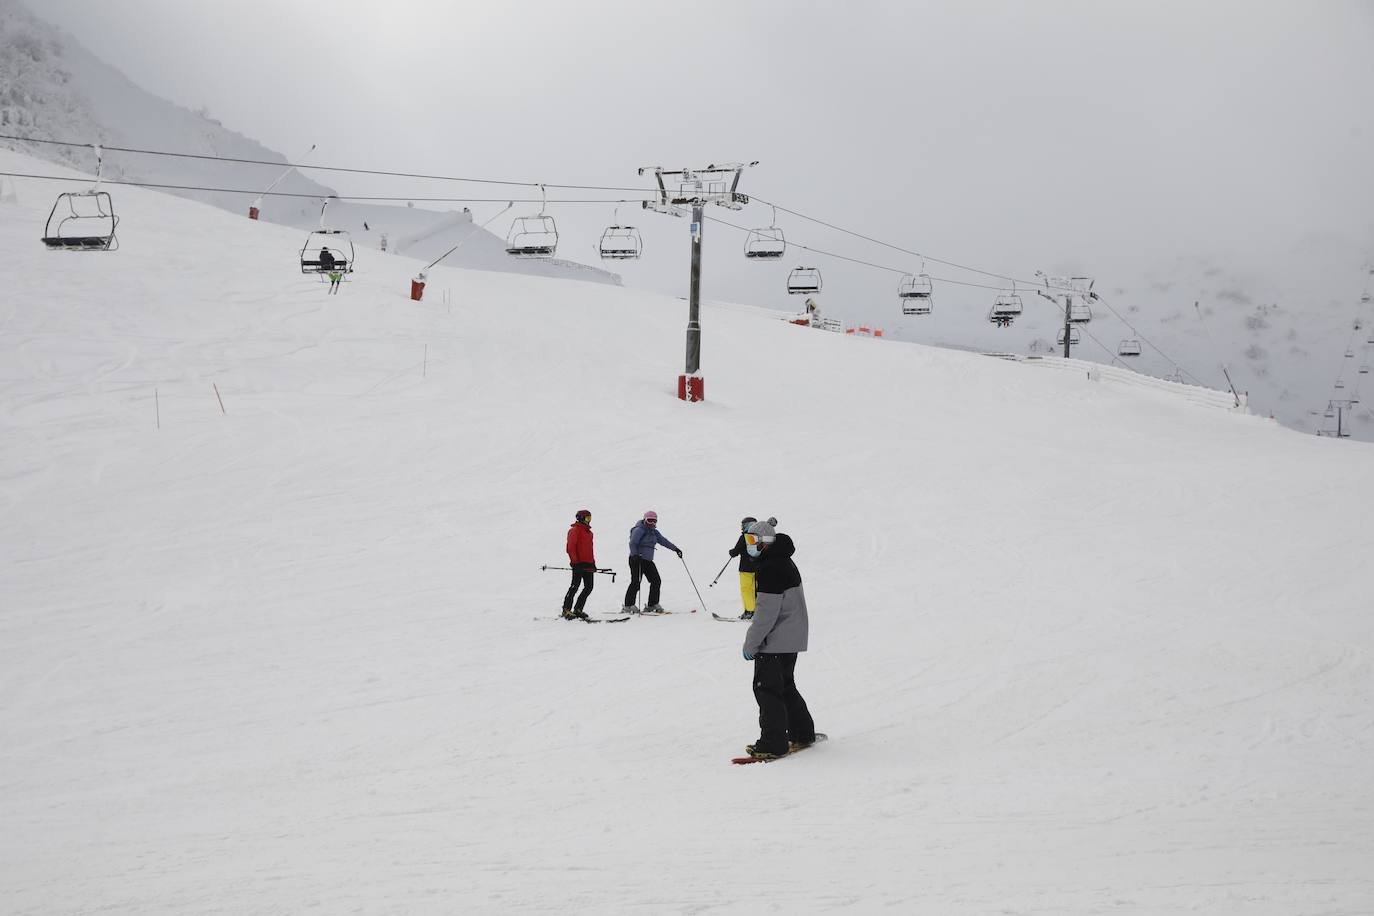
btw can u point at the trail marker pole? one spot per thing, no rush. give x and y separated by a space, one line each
218 398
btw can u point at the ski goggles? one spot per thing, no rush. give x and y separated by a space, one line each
752 539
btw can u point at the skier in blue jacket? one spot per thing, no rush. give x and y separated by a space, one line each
643 536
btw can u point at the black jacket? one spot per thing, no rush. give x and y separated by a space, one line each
746 562
776 572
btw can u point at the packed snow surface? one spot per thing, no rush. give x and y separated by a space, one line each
1080 646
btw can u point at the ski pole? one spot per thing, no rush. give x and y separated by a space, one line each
604 572
719 574
694 583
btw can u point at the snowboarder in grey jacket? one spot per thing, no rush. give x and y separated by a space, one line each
776 635
643 536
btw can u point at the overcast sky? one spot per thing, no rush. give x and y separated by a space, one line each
1008 135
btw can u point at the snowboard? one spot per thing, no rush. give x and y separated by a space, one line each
741 761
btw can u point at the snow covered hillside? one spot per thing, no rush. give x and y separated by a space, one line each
1080 646
52 88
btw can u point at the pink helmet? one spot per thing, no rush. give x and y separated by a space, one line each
651 516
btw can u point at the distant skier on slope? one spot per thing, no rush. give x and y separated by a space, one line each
643 536
583 562
747 565
778 632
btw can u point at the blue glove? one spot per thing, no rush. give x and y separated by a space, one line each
747 656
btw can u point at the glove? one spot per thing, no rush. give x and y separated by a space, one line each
679 553
747 656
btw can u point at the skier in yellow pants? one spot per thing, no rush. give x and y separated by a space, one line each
747 565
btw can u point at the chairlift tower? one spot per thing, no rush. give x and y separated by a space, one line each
1068 287
1340 406
677 188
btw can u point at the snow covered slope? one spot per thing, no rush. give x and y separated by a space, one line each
52 88
1081 647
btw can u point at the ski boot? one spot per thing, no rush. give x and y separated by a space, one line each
757 754
654 609
571 614
747 615
630 609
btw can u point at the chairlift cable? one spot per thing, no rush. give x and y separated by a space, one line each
876 241
327 168
312 197
859 261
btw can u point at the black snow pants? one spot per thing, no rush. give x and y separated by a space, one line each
640 566
783 716
583 574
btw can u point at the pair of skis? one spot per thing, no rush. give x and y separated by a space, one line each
620 619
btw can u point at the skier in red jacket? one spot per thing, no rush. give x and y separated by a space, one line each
583 563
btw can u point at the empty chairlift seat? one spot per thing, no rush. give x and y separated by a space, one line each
1079 313
912 286
1129 347
81 221
804 280
532 237
765 244
916 294
621 243
1074 337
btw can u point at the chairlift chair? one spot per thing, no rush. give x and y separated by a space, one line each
337 242
1000 319
804 281
82 221
86 221
1129 347
1079 313
621 243
1364 370
765 244
1007 305
533 236
914 286
1074 337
